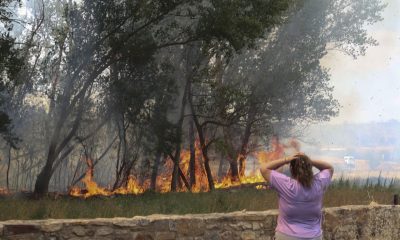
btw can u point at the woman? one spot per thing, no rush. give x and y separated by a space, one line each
300 197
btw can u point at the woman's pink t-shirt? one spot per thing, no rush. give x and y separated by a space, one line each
299 207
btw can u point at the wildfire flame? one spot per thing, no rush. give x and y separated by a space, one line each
164 179
92 189
4 191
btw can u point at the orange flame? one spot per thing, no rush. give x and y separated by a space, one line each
4 191
163 182
92 189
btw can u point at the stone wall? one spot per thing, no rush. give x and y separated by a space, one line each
349 222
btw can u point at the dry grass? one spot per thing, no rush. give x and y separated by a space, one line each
341 193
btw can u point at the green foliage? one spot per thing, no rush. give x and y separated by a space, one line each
11 63
239 22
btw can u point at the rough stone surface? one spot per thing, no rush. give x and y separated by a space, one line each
51 227
165 235
104 231
188 227
80 231
381 222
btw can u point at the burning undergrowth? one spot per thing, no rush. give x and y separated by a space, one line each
163 183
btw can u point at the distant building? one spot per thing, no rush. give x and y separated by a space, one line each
350 162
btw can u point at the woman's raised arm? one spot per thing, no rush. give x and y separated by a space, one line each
273 165
322 165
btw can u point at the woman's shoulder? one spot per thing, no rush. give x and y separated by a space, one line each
322 179
324 174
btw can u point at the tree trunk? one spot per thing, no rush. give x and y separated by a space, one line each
43 179
221 167
16 185
154 172
245 141
192 161
121 161
117 175
183 178
204 147
69 101
232 156
8 168
130 154
208 169
177 156
234 170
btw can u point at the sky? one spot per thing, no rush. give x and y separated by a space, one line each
368 88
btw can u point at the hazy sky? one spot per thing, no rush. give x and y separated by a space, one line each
368 88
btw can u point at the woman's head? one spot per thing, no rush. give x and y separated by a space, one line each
301 169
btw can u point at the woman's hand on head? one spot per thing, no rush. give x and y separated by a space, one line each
299 154
293 157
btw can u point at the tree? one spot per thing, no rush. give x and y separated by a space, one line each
11 63
292 88
104 33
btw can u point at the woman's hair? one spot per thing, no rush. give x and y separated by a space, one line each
301 169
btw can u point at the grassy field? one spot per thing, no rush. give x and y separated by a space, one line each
340 193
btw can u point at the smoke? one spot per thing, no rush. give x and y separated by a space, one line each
350 102
373 78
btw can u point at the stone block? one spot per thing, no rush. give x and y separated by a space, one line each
27 236
165 235
248 235
143 222
269 223
82 238
256 226
15 229
212 235
210 226
142 236
162 225
122 234
265 238
195 227
172 225
82 231
136 223
226 235
253 217
127 223
104 231
51 227
241 225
